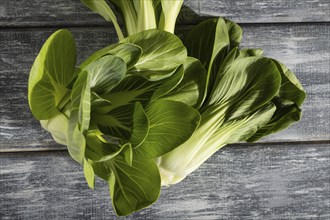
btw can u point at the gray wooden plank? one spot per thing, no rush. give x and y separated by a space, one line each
21 13
305 49
238 182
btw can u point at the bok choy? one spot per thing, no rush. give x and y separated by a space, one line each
150 109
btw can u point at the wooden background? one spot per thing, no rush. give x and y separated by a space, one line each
284 176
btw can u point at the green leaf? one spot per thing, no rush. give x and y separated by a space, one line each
128 122
210 42
239 105
169 84
99 104
286 114
105 73
51 73
99 150
140 127
80 117
234 32
162 54
103 9
89 174
118 122
76 140
134 88
192 87
207 39
96 55
101 76
130 53
234 131
166 118
58 127
290 89
130 90
232 56
133 187
289 98
247 85
235 54
205 42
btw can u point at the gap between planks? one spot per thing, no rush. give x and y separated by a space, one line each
55 148
181 25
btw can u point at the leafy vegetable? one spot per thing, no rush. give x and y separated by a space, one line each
141 113
247 97
233 113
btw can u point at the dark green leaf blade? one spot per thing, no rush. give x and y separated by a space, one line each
192 87
168 84
209 41
235 33
117 123
128 122
290 89
134 88
166 118
235 54
98 150
246 126
286 114
288 101
99 104
133 187
247 85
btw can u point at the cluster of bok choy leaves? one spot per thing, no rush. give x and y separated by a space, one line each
150 109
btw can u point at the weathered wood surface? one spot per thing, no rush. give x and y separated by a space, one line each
305 49
239 182
22 13
285 177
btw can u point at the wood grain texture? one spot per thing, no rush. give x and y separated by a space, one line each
287 176
239 182
305 49
36 13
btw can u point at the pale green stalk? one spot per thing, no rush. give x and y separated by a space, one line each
146 12
170 12
177 164
130 14
212 134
